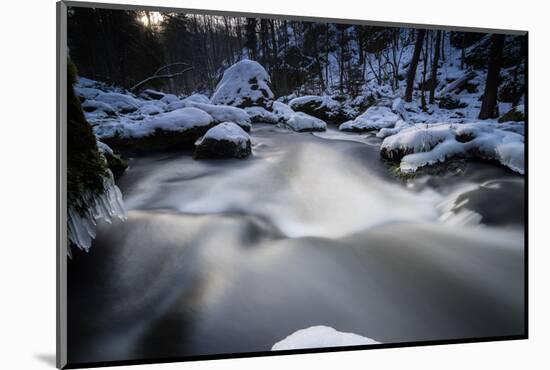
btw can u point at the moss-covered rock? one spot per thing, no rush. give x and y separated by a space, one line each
85 166
516 114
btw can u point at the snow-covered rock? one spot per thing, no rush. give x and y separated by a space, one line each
190 101
244 84
175 129
321 337
93 106
224 113
224 141
87 92
300 121
169 99
427 144
282 111
322 107
176 121
152 107
122 103
262 115
374 118
197 98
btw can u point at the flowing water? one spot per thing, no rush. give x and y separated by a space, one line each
231 256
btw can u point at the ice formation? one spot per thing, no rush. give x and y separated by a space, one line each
81 224
426 144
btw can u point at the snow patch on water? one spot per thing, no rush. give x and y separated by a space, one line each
319 337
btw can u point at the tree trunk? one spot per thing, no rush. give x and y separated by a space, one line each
435 65
414 63
489 106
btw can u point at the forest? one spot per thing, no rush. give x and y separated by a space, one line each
126 47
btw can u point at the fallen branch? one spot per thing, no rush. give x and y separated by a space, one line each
457 83
156 76
170 65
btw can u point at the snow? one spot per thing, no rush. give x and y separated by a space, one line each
427 144
320 337
169 98
179 120
223 113
320 101
86 82
385 132
87 92
108 205
374 118
259 114
226 131
152 107
300 121
120 102
94 105
245 83
282 111
198 98
190 101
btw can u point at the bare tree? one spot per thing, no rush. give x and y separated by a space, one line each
489 106
411 74
435 66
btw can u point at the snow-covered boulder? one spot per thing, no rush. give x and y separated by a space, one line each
226 140
374 118
197 98
122 103
262 115
427 144
516 114
225 113
98 107
282 111
176 129
300 122
321 337
152 107
244 84
169 99
87 93
180 120
322 107
190 101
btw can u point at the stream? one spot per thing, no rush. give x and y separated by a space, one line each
226 256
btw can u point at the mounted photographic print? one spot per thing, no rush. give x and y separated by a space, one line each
235 184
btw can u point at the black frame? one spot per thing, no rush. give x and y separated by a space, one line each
61 278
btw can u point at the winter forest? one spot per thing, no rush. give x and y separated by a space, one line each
240 184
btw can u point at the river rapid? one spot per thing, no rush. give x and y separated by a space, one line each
226 256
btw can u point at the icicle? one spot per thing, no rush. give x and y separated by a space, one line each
81 227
